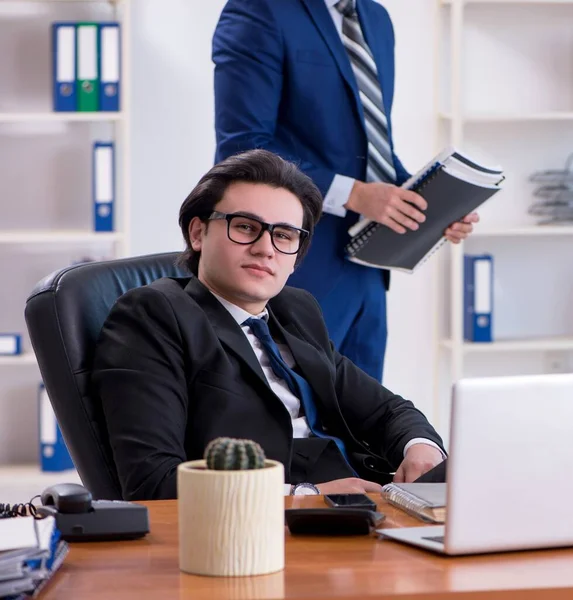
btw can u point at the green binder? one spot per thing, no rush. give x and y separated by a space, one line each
87 67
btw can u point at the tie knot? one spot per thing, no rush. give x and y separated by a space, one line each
259 327
346 7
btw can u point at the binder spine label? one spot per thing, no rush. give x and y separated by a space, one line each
54 455
87 67
10 344
110 66
103 186
478 298
64 67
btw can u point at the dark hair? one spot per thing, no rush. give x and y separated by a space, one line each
253 166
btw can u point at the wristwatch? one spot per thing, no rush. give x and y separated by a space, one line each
304 489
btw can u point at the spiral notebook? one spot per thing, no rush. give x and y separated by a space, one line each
426 501
453 185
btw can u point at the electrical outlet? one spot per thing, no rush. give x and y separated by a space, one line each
557 361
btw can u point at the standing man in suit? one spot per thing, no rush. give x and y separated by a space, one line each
313 80
233 352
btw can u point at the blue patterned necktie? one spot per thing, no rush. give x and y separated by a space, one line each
380 160
298 385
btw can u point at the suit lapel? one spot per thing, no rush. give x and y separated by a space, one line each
323 22
227 329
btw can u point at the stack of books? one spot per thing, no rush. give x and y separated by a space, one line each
31 550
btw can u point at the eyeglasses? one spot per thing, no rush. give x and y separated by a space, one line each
243 229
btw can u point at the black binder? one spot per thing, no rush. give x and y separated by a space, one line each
453 186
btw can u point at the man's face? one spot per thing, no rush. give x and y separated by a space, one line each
246 275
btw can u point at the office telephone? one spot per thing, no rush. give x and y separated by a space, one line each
80 518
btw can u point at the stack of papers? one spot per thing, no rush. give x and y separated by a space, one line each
556 189
30 552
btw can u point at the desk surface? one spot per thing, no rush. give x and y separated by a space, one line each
356 567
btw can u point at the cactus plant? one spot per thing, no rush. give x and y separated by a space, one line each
229 454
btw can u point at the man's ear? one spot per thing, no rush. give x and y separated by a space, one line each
196 233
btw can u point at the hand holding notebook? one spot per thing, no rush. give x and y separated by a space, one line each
453 185
395 207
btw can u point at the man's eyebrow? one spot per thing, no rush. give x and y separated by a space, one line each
244 213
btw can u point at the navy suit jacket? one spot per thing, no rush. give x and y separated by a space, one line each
284 82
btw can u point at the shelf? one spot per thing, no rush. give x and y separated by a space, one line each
526 345
20 483
450 2
535 231
58 237
27 358
66 1
59 117
492 117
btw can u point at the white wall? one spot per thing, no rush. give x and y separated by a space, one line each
173 139
173 145
409 366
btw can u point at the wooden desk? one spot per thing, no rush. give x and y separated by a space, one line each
316 567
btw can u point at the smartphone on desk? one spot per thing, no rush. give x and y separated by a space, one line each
350 501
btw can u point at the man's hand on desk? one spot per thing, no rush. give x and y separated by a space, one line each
460 230
419 459
350 485
388 204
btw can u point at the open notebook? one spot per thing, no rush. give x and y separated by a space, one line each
453 185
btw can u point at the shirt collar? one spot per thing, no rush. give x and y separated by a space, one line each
240 315
331 3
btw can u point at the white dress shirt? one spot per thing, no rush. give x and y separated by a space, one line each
300 428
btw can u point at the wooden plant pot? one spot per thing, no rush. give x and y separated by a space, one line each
231 522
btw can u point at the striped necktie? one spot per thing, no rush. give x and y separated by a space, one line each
380 165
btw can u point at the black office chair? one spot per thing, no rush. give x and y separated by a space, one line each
64 314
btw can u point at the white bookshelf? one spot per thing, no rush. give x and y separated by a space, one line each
62 117
548 2
478 40
529 345
59 237
492 117
538 231
46 191
26 358
21 482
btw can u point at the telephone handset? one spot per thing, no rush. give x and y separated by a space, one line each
80 518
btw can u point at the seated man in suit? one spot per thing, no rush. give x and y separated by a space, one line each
233 352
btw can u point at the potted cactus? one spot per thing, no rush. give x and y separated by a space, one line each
231 511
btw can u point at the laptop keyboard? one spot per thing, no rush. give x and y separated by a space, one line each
436 538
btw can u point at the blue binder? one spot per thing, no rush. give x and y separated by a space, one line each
64 66
54 455
109 66
478 298
10 344
103 166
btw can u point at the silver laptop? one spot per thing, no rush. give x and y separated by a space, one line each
510 470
